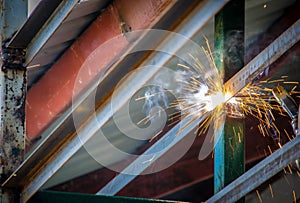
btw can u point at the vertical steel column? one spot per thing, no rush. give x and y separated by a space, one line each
12 94
229 155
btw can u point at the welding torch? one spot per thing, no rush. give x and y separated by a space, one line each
291 108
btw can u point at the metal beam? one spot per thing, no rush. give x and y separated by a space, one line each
189 27
37 180
12 95
33 24
229 151
49 28
259 173
235 84
165 181
53 196
264 59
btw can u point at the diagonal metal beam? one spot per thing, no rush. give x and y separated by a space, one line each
49 28
283 43
263 60
33 23
31 181
263 171
73 143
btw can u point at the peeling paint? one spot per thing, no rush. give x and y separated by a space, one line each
13 118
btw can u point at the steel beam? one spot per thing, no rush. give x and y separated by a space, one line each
229 151
189 27
264 59
71 145
33 24
48 29
53 196
259 173
159 148
235 84
166 182
12 95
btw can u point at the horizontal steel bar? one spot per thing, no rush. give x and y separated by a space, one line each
236 83
263 171
49 28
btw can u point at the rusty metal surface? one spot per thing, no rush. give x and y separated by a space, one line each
12 95
13 90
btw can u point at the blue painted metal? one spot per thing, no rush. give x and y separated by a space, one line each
13 16
49 28
33 23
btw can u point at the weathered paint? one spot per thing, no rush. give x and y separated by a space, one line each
229 45
12 95
13 91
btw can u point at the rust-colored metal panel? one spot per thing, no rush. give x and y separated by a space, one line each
53 92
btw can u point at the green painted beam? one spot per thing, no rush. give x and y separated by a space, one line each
229 153
44 196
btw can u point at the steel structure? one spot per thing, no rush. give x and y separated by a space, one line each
59 150
235 84
51 165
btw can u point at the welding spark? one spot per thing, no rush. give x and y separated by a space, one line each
258 195
201 94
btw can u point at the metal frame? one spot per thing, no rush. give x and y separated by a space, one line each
70 145
31 182
271 53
